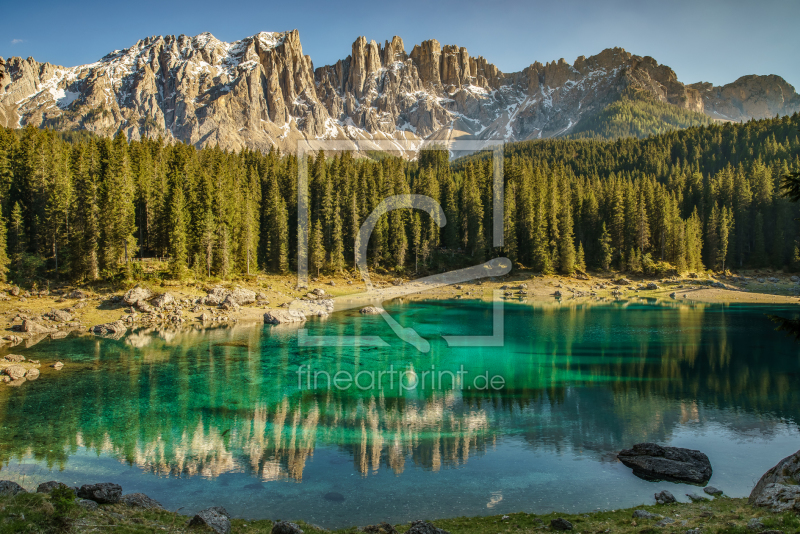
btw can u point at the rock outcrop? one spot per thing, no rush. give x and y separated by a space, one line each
262 91
283 317
103 493
654 462
779 488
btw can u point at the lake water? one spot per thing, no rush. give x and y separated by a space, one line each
221 417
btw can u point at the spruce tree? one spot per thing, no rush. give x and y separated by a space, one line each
316 248
177 232
4 261
580 259
606 250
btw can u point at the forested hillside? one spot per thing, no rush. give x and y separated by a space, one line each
80 207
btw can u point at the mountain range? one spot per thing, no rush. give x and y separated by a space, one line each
262 91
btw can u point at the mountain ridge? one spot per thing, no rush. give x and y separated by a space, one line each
262 91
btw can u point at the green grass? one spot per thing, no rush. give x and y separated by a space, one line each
729 516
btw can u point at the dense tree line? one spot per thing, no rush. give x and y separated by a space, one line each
81 207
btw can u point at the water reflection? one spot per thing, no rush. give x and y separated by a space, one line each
588 379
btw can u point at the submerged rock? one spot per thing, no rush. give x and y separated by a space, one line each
651 461
779 488
15 371
370 310
102 493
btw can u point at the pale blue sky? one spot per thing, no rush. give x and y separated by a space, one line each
715 41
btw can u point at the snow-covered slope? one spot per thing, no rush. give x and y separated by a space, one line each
262 91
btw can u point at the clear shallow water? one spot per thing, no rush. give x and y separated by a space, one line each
216 417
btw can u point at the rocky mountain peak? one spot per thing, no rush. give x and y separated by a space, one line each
262 91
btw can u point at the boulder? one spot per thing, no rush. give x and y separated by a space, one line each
284 316
87 503
115 329
15 371
140 500
779 488
103 493
47 487
15 291
9 488
32 374
652 286
205 317
380 528
664 522
696 498
59 316
423 527
216 295
143 306
241 296
644 514
57 366
654 462
78 294
229 304
560 524
33 327
136 294
163 300
14 358
318 292
711 490
213 519
285 527
370 310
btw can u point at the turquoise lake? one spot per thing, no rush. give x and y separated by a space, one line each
196 418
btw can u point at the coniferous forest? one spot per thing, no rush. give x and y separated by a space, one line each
81 207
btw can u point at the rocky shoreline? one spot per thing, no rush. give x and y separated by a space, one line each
31 317
774 501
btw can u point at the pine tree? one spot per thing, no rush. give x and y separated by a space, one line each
4 261
606 250
337 252
725 227
580 260
207 239
567 244
316 252
177 231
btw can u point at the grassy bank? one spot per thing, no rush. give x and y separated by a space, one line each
40 513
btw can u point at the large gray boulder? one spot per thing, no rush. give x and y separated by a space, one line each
284 316
33 327
163 300
213 519
242 296
779 488
651 461
136 294
103 493
59 316
9 488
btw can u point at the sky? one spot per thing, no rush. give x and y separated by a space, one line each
715 41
